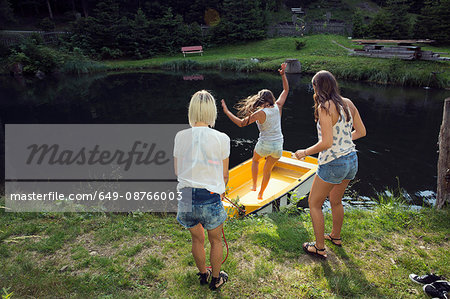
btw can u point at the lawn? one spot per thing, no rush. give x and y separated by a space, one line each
320 52
48 255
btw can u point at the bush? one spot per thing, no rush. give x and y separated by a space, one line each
77 63
107 53
299 44
46 24
35 57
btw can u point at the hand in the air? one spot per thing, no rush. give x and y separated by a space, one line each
282 69
224 105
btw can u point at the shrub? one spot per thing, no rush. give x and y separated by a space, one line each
107 53
34 57
299 44
46 24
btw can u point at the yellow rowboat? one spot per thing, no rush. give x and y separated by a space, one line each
287 175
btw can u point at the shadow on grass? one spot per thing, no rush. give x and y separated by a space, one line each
346 279
284 235
285 240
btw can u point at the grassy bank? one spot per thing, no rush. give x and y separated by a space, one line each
320 52
147 255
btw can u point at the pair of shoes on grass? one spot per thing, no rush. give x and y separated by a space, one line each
434 285
317 252
216 282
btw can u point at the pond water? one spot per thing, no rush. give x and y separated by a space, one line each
402 123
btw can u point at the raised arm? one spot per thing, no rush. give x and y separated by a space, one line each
257 116
282 98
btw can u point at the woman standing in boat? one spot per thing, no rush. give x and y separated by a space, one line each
338 124
263 109
201 165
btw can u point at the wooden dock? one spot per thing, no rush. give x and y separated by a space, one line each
404 49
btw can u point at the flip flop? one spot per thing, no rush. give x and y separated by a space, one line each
331 239
316 254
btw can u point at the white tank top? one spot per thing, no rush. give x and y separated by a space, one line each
342 139
270 130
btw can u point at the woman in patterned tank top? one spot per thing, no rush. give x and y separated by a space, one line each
338 124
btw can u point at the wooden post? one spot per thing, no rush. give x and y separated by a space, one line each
293 66
443 183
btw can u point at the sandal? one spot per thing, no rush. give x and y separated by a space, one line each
316 254
217 282
331 239
204 277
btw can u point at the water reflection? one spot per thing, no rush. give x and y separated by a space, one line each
402 123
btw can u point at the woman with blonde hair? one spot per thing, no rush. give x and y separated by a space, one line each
263 109
201 165
338 124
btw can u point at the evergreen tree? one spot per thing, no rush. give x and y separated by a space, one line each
107 24
392 22
380 26
6 13
136 42
359 29
398 19
433 21
241 20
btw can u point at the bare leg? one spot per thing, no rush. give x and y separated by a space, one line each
268 166
319 191
337 210
216 255
198 249
255 167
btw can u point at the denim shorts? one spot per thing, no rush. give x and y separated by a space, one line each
342 168
207 209
269 148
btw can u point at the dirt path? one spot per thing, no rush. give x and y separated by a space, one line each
348 49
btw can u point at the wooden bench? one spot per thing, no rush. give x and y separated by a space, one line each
192 49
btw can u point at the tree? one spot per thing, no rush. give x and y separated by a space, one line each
6 13
50 13
397 11
107 24
241 20
380 26
359 29
392 21
431 22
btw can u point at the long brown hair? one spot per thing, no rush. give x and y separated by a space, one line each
249 105
327 89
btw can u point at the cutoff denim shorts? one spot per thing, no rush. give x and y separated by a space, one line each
342 168
207 209
269 148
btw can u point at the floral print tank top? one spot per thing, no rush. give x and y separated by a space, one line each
342 139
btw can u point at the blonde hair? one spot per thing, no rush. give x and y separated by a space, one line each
249 105
202 108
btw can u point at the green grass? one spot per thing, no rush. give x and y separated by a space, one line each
320 52
150 255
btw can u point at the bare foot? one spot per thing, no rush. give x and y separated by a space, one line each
253 188
260 196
